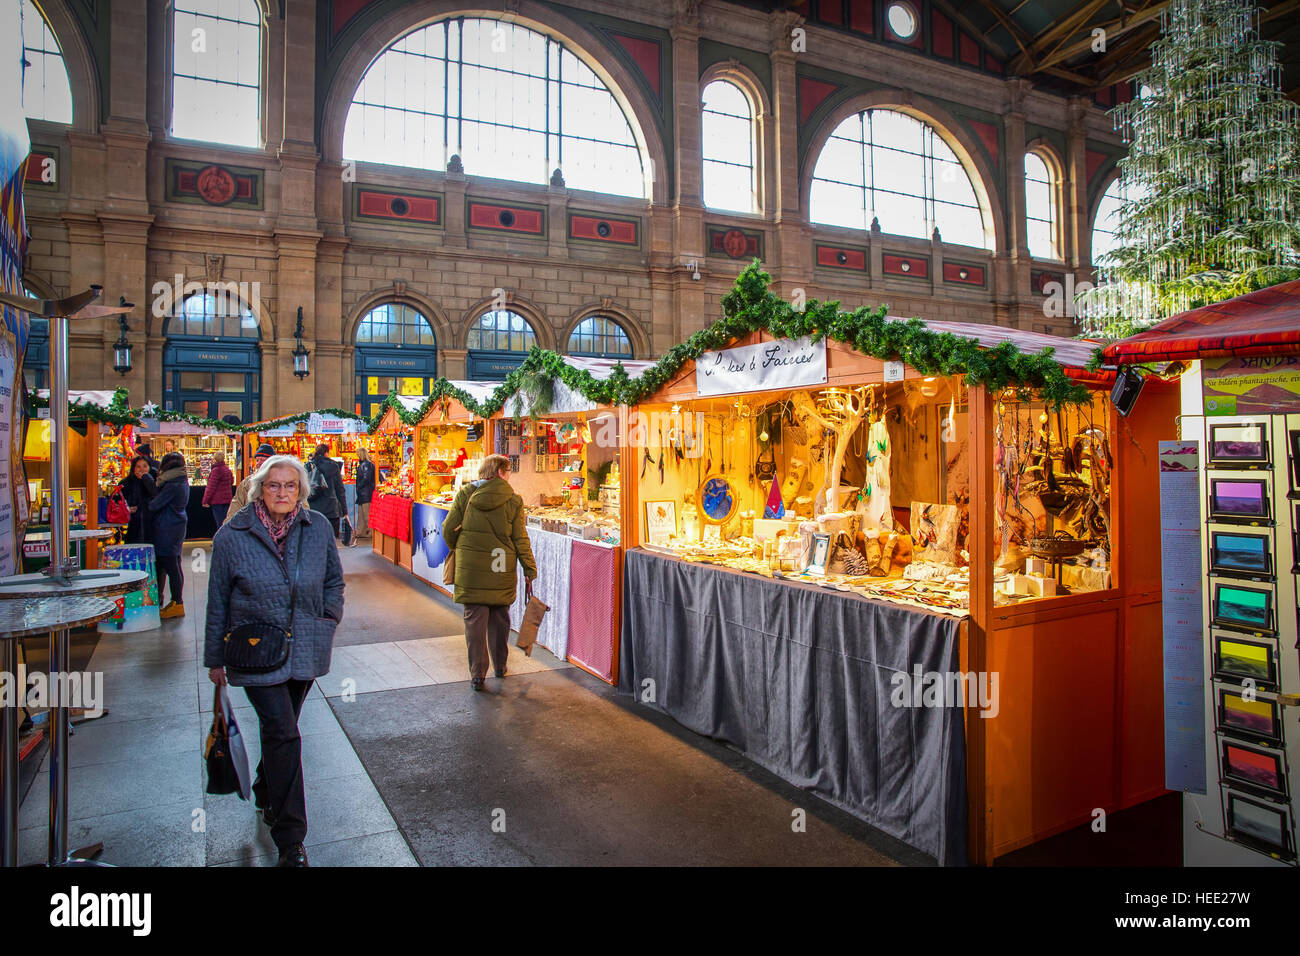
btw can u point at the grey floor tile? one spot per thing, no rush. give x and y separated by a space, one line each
98 741
367 668
141 782
376 849
157 836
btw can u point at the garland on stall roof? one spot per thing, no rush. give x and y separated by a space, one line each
440 389
118 412
260 427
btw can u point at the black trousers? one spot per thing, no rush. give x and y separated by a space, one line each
487 634
170 568
278 782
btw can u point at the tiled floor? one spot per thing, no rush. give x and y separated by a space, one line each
137 776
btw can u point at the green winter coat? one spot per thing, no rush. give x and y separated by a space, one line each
485 527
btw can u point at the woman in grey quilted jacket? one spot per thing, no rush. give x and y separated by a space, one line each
255 558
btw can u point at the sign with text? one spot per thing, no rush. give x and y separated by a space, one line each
784 364
1255 385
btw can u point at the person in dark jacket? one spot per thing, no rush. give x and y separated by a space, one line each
486 528
327 494
145 451
220 489
138 488
168 533
255 556
365 491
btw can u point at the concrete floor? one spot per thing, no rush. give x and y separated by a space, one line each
404 765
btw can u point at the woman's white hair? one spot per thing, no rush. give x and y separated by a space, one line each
279 461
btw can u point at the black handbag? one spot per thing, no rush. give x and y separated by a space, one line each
258 646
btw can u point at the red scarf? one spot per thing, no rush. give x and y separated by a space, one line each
277 528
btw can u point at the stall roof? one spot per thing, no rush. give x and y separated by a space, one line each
100 397
1266 322
567 400
1072 354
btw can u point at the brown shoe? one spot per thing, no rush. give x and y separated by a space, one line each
174 609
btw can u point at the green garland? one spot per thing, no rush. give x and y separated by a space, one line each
118 412
261 427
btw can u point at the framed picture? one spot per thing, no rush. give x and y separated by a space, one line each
1259 824
1293 440
1243 658
660 521
821 554
1239 606
1257 718
1241 445
1237 499
1253 768
1240 552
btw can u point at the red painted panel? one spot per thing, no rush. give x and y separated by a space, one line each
35 169
588 227
988 134
860 16
952 272
486 216
811 95
831 11
993 63
1123 92
1094 161
918 267
941 35
830 256
418 208
645 53
1104 97
970 51
343 11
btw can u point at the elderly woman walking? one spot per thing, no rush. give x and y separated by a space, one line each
486 529
275 569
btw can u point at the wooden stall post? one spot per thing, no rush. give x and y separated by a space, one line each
980 544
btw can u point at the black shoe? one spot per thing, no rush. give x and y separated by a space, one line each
501 673
293 855
476 683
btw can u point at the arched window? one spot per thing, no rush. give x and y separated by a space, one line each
1042 223
47 95
600 337
727 127
513 103
498 341
211 362
396 352
217 71
886 165
1105 227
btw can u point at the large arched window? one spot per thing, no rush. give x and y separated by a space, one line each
727 127
889 166
513 103
217 71
1042 223
1105 227
396 352
211 362
47 95
498 341
601 337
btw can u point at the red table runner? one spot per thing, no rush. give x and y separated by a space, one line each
391 515
592 569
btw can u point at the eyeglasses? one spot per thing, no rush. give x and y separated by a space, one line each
275 487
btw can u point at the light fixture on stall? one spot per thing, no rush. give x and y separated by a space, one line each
300 354
928 387
122 348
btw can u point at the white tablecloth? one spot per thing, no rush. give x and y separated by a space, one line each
551 551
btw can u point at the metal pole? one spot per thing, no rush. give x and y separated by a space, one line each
59 640
9 757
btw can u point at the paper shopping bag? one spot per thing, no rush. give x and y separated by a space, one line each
533 615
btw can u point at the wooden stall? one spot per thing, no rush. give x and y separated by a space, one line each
1058 627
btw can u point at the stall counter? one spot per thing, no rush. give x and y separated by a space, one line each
390 524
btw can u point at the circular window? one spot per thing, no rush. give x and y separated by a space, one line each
603 230
506 217
905 266
902 20
841 257
399 206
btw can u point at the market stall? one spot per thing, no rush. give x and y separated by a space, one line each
872 576
449 443
85 408
1230 548
563 439
197 443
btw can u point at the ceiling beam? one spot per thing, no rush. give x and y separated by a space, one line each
1114 30
1085 81
971 28
1009 26
1122 56
1058 33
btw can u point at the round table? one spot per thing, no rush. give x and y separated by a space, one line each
107 583
20 619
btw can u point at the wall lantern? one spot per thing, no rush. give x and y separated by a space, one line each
299 353
122 348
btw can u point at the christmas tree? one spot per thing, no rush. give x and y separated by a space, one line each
1212 178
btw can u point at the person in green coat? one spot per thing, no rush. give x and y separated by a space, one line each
485 528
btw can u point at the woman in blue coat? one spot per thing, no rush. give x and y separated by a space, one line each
168 508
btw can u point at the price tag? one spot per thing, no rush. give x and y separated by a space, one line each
893 371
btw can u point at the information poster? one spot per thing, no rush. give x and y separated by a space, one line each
1258 385
428 550
1181 581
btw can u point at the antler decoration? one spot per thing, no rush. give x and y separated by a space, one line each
840 412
